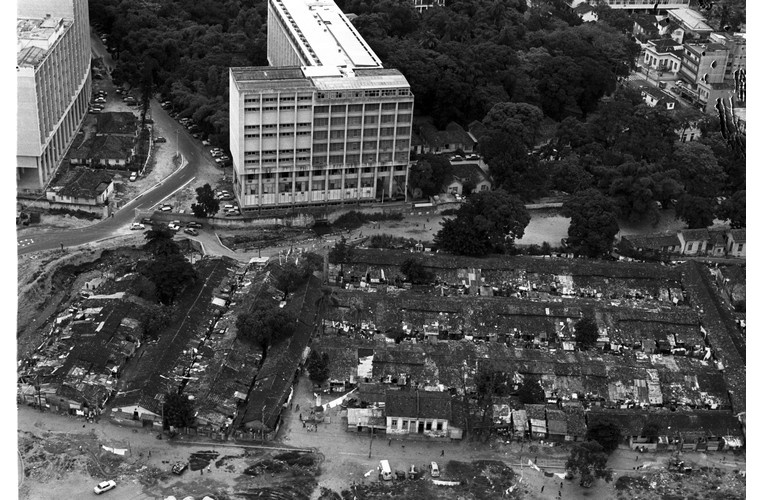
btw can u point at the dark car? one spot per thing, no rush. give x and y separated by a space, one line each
146 220
191 231
179 467
160 139
195 225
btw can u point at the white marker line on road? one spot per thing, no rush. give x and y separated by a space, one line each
176 190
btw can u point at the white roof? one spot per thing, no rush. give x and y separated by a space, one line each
321 26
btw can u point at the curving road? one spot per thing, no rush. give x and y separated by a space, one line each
178 138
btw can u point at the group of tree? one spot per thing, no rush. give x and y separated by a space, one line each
588 459
206 203
488 222
415 272
264 326
167 269
318 366
340 253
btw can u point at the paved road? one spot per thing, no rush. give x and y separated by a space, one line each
178 138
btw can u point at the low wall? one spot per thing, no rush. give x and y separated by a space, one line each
299 220
99 210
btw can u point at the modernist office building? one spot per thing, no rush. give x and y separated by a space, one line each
53 79
326 122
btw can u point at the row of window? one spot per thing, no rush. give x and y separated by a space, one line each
368 120
274 134
302 97
369 108
410 423
347 94
269 174
275 108
275 125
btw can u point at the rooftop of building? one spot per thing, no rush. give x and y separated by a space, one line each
664 45
419 404
325 34
657 94
464 171
689 18
121 123
36 36
84 183
303 78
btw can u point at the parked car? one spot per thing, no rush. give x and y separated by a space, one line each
104 486
160 139
413 472
226 196
166 208
472 157
146 220
174 227
195 225
136 226
191 231
133 177
456 158
434 469
179 467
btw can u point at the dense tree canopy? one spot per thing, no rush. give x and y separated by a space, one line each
531 392
178 410
415 272
606 433
488 222
206 203
586 332
588 460
318 365
265 326
429 174
593 223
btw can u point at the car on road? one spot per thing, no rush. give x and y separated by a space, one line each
179 467
232 213
472 157
133 177
146 220
166 208
160 139
101 100
195 225
226 196
136 226
166 104
94 110
434 469
104 486
191 231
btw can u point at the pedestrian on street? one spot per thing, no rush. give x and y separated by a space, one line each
62 245
542 489
303 424
441 454
390 442
202 472
300 417
149 453
636 458
562 484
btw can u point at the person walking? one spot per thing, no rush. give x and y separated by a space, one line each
441 454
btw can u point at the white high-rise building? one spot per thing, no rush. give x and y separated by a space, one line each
326 123
53 80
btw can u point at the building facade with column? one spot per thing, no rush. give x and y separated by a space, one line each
53 84
325 123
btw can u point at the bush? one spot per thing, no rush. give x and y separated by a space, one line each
354 219
390 241
79 214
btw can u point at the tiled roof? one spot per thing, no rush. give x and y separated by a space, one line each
739 235
464 171
695 234
273 382
535 411
122 123
653 241
419 404
84 183
707 422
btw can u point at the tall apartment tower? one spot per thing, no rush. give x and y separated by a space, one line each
325 123
53 80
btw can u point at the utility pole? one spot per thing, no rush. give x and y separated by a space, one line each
370 448
177 141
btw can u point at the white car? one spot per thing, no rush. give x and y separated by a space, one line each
104 486
135 226
174 227
133 177
166 208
